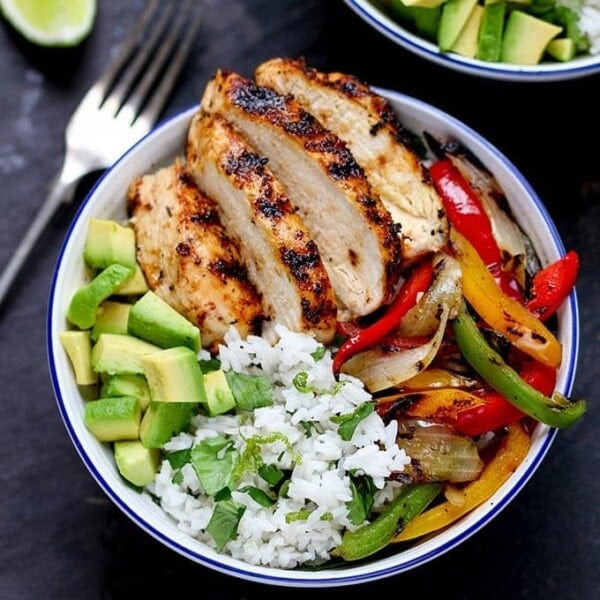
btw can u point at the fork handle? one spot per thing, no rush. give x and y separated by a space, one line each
59 192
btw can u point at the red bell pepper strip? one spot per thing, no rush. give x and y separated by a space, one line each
497 410
467 215
418 281
551 286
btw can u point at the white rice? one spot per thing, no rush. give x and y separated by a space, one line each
589 20
589 23
320 464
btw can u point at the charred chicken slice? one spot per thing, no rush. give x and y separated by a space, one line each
352 228
187 257
283 260
381 145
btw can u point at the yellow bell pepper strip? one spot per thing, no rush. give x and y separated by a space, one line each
417 282
551 286
470 413
438 378
442 404
504 314
508 457
374 536
555 411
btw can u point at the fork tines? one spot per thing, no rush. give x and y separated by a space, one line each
153 55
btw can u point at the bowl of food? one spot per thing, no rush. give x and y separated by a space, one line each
301 393
548 41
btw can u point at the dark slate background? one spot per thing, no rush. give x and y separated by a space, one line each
60 536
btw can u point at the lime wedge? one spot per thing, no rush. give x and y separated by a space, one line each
51 22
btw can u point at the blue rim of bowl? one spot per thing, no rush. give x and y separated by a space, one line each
295 578
422 47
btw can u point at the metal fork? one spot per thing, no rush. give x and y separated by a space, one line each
120 108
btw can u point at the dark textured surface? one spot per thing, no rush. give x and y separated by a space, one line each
60 536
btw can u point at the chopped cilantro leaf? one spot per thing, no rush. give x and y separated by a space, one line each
214 460
224 522
363 494
250 391
259 496
178 458
348 422
271 474
211 364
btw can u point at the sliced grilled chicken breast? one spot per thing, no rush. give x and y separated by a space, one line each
352 228
381 145
187 258
283 260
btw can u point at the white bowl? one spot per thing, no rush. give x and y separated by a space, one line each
107 200
545 71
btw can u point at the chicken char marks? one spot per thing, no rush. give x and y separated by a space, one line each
351 227
283 261
188 258
379 142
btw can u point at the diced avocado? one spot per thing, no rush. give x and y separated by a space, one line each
569 17
136 463
512 2
115 353
163 420
127 385
135 286
490 32
423 3
112 419
155 321
525 38
466 43
219 397
401 11
83 307
112 317
427 21
107 243
174 375
78 346
455 14
562 49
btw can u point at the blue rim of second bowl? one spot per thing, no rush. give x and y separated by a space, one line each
289 579
420 46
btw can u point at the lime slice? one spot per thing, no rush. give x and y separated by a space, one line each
51 22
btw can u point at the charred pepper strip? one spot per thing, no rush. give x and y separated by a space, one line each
555 411
508 457
499 311
370 538
467 215
471 413
551 286
495 412
417 282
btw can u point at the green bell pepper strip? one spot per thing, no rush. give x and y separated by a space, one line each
555 411
371 538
